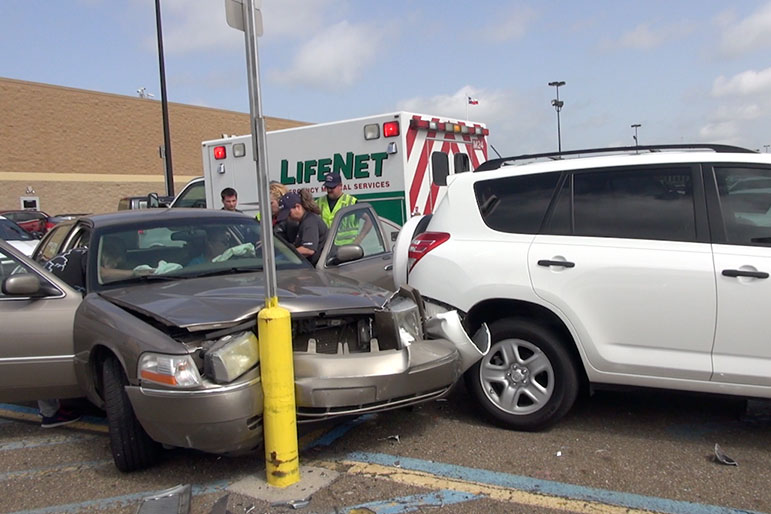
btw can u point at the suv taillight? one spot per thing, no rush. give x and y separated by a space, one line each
422 244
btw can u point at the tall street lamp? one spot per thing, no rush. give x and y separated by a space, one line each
557 104
635 126
164 105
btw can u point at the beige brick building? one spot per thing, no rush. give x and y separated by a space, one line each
80 151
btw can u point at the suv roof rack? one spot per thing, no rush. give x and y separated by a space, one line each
496 163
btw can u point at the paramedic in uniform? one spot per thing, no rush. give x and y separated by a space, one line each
311 230
332 202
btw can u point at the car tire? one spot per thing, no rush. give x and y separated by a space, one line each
528 380
132 449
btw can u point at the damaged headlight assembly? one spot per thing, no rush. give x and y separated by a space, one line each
169 370
403 312
231 356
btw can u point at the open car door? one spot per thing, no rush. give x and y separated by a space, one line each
37 313
358 247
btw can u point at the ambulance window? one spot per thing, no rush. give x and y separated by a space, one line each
461 163
440 168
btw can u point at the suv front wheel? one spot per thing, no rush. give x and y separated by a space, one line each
528 380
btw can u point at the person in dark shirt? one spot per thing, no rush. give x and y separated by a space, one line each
311 230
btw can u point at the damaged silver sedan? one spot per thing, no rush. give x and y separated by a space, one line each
153 320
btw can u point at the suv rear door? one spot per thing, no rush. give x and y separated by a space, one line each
624 257
740 216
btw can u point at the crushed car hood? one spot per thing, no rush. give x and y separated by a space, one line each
223 300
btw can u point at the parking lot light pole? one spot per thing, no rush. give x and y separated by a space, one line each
274 327
635 126
557 104
164 106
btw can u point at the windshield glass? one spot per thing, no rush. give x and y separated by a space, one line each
186 248
10 231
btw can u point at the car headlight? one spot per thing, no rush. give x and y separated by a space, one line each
406 318
231 356
169 370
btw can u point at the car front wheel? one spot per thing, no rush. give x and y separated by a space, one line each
132 448
528 380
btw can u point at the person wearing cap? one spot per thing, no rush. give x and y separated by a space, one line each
332 202
311 230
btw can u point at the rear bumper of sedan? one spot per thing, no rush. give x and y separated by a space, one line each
220 419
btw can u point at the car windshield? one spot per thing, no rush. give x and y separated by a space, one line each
10 231
185 248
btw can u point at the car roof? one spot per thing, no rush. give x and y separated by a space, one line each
143 215
529 164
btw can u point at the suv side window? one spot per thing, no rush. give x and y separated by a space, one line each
516 204
745 204
635 204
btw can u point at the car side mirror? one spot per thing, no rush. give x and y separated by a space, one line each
346 253
25 284
153 201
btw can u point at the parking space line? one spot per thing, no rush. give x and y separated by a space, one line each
49 440
411 503
37 472
519 489
120 501
22 413
323 437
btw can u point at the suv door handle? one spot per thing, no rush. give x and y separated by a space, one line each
563 264
742 273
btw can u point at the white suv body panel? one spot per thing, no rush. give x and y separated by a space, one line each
647 313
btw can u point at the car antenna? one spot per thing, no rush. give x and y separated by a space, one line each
496 151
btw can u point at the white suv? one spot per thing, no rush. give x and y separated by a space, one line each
636 269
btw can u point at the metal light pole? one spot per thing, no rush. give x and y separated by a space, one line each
557 104
635 126
766 147
164 105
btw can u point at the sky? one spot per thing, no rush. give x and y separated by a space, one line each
685 71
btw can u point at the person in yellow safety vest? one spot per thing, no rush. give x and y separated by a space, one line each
332 202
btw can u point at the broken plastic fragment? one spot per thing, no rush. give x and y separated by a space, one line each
390 438
722 458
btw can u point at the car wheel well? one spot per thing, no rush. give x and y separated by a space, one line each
492 310
98 355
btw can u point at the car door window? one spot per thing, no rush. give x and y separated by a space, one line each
194 196
52 243
650 203
360 228
745 204
9 266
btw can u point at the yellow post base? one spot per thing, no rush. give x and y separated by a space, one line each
274 331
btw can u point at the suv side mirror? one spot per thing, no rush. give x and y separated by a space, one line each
153 201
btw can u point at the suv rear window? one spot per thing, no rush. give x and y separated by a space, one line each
515 204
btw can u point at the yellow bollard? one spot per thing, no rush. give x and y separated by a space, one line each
274 331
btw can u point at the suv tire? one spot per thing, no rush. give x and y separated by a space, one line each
132 449
528 380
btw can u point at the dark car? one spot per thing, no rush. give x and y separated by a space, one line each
164 338
34 222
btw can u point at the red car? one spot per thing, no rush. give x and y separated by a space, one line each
34 222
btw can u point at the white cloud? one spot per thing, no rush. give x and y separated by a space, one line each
749 82
738 112
199 25
751 33
720 132
510 25
644 37
334 58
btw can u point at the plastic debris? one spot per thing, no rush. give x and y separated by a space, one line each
559 453
722 458
390 438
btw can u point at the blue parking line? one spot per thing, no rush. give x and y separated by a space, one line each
545 487
120 501
414 502
23 409
46 441
78 466
339 431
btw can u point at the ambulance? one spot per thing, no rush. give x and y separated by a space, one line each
397 162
